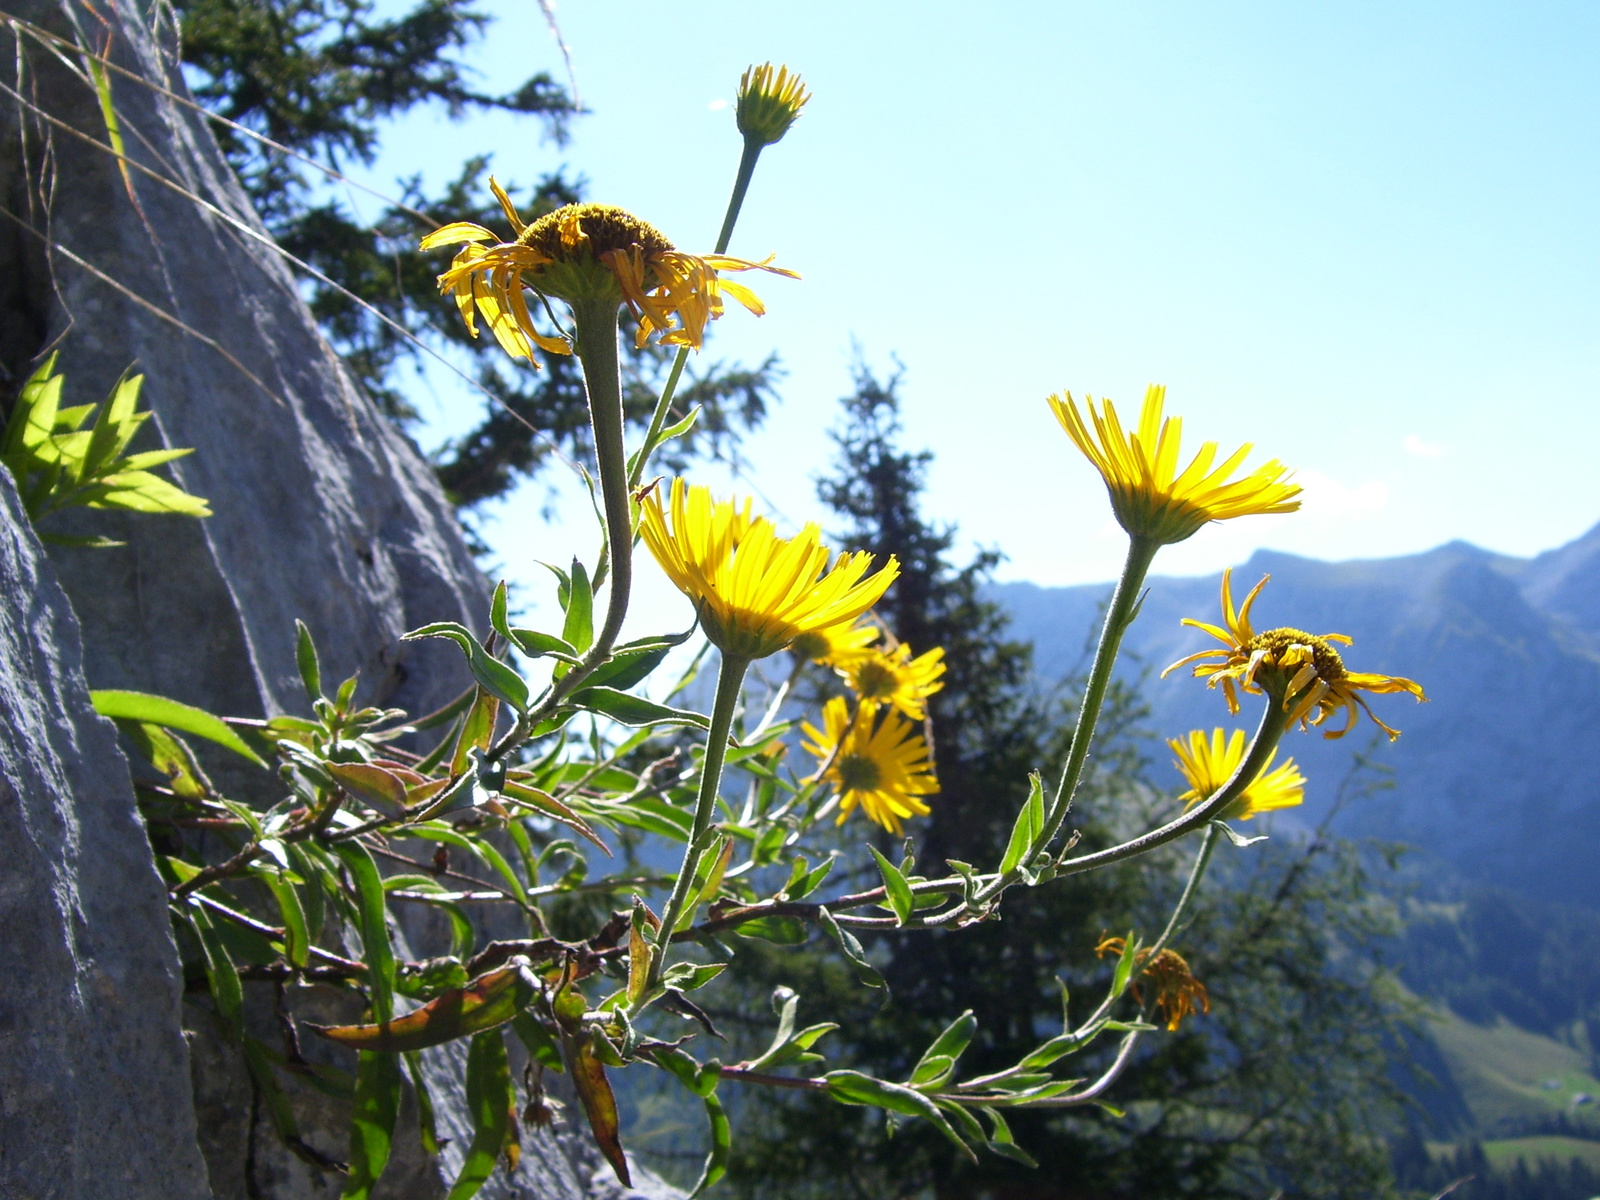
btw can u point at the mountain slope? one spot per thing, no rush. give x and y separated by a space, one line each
1497 775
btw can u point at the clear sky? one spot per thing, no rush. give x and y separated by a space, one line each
1363 236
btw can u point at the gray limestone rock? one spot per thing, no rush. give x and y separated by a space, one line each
94 1075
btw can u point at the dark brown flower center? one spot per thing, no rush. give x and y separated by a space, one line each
875 681
1277 642
858 773
605 226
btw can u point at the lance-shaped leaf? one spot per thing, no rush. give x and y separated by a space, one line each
488 1001
939 1061
170 714
721 1143
490 1101
372 911
852 1087
372 1120
374 786
599 1102
1030 821
552 808
866 973
305 657
628 709
895 885
499 680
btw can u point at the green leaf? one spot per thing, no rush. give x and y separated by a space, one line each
550 807
1234 836
538 1041
372 913
170 714
499 680
222 977
688 976
497 612
785 931
866 973
427 1126
490 1101
305 656
114 428
372 785
633 710
296 936
852 1087
599 1102
721 1143
33 415
535 644
947 1047
1029 823
894 883
1003 1143
578 630
372 1120
1124 971
140 491
259 1061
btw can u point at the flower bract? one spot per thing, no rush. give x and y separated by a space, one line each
586 252
1301 671
755 592
882 765
770 100
894 678
1150 497
1208 763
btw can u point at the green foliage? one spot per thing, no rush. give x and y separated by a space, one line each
77 456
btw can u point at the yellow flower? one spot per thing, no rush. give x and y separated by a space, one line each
840 646
1178 992
893 677
755 591
1208 763
586 252
882 765
1299 670
769 102
1148 495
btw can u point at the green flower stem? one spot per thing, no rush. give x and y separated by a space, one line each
1124 605
658 419
730 682
596 325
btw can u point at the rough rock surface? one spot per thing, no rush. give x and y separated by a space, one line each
94 1075
324 512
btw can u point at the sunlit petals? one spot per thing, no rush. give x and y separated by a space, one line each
877 761
755 591
769 101
838 646
1207 763
1150 497
894 678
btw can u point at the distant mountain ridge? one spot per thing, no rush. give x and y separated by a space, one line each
1499 775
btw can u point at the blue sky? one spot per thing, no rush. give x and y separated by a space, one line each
1362 236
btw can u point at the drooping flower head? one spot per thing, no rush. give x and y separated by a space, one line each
755 591
882 765
581 253
893 677
770 100
1178 993
1208 763
1150 498
840 646
1301 671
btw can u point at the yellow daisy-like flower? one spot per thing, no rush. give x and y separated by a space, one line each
881 765
586 252
1178 993
1150 498
755 591
1208 763
1302 671
894 678
841 646
770 99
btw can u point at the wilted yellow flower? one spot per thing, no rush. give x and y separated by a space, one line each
755 591
1148 495
1302 671
769 102
840 646
586 252
893 677
1178 992
882 765
1208 763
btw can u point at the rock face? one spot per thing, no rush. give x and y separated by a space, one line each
94 1074
1496 775
324 512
